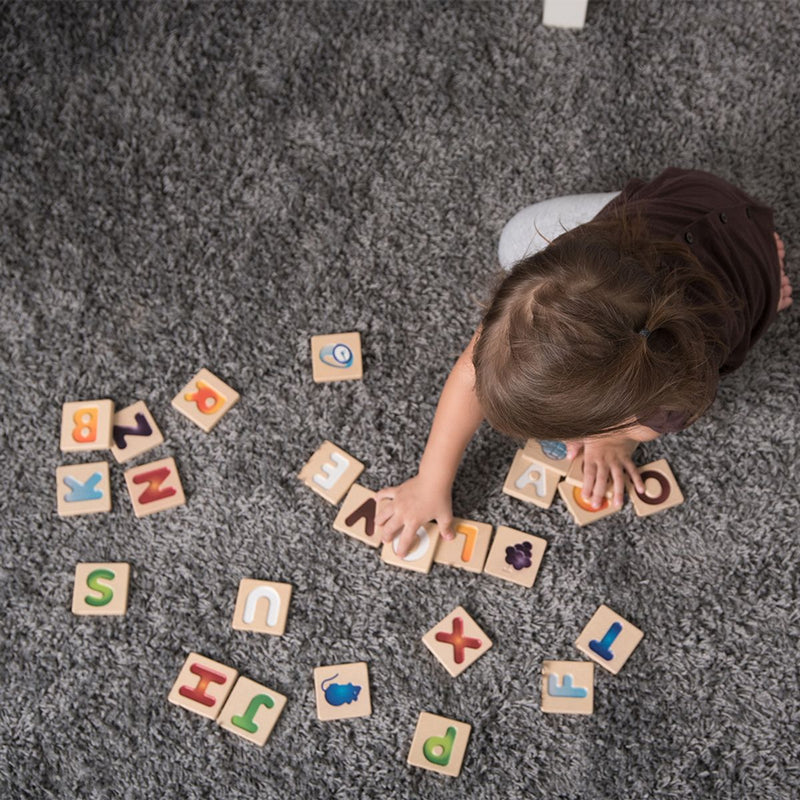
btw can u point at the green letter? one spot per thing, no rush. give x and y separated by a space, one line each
106 593
445 743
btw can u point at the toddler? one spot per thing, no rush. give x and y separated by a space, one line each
611 334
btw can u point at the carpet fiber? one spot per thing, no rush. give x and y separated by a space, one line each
189 185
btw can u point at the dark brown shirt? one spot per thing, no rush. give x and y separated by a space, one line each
732 236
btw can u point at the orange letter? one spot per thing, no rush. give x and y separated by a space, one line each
85 420
208 401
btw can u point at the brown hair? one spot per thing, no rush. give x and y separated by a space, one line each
604 326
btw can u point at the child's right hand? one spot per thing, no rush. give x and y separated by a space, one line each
410 505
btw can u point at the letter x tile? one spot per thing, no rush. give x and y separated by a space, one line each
457 641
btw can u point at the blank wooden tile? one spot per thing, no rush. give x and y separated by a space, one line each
609 639
420 557
101 588
134 432
83 489
357 514
582 512
336 357
330 472
86 425
439 744
262 606
469 547
205 399
574 475
342 691
568 687
531 481
457 641
661 489
203 685
564 13
155 487
553 454
251 711
515 556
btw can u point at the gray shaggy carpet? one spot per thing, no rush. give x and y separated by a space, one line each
189 185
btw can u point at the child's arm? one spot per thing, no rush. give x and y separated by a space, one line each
427 495
607 459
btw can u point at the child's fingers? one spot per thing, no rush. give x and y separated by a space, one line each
636 478
406 540
618 481
574 448
445 528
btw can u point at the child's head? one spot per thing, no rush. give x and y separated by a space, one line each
604 327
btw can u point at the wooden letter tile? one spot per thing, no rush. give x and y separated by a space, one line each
457 641
202 686
86 425
205 399
515 556
420 557
101 589
251 711
342 691
330 472
262 606
468 549
83 489
134 432
661 489
568 687
154 487
336 357
609 639
582 512
357 515
439 744
531 481
553 454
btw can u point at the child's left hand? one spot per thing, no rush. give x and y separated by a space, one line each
606 459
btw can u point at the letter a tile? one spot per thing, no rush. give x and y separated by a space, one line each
202 686
262 606
439 744
330 472
457 641
154 487
205 400
608 639
251 711
531 481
